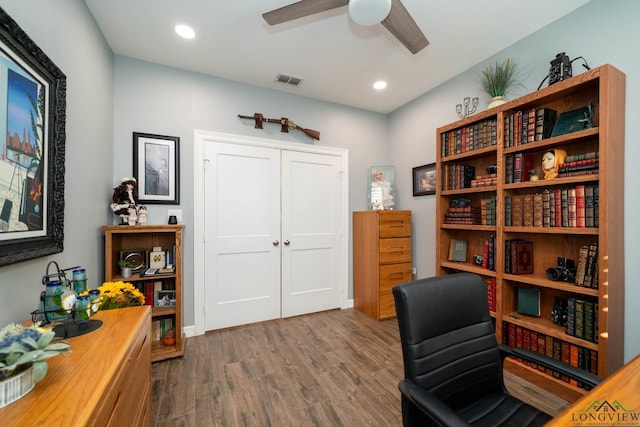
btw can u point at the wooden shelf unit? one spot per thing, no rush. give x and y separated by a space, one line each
381 259
137 237
605 88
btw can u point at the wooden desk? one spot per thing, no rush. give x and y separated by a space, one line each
622 388
104 380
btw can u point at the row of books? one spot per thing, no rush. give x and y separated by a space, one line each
561 207
582 319
575 355
467 215
488 208
534 124
160 326
489 253
472 137
579 167
484 180
457 176
587 270
518 256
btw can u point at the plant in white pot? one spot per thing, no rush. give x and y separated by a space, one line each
497 79
125 268
24 351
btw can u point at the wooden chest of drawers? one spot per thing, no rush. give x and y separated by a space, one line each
381 259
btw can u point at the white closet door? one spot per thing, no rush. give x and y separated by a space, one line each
242 234
311 232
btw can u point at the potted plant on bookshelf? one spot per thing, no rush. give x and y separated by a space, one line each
497 79
169 337
125 268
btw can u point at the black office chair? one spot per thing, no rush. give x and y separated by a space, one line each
452 361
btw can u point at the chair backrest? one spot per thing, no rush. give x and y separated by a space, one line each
448 341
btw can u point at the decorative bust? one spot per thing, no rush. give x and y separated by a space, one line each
550 161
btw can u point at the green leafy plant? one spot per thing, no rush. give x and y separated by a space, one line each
498 78
123 263
24 346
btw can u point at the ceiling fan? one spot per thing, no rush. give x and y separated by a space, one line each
390 13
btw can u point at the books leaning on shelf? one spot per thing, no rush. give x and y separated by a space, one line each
587 270
458 250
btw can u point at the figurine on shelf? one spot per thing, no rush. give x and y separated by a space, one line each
142 214
551 159
124 199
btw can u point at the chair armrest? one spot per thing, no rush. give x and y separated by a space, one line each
431 406
578 374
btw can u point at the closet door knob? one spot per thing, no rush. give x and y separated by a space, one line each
276 243
286 242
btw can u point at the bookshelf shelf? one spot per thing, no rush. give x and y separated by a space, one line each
604 88
120 238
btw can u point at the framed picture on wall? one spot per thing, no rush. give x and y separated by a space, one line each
33 105
156 167
424 180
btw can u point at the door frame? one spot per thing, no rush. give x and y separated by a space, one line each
201 137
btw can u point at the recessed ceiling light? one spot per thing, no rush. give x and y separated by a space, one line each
379 85
185 31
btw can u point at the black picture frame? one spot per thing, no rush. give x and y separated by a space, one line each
156 168
424 180
32 205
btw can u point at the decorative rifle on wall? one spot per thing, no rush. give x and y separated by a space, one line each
283 122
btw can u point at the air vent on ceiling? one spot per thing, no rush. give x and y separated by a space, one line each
290 80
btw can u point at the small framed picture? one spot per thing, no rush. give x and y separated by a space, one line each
424 180
156 168
381 189
165 298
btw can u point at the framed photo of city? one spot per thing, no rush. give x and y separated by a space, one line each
424 180
156 167
32 116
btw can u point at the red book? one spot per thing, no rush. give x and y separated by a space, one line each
557 198
148 293
581 212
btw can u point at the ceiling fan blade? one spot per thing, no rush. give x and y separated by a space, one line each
404 28
301 9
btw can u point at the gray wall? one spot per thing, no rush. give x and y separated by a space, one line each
161 100
601 31
67 33
109 99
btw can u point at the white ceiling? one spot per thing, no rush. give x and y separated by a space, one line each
337 59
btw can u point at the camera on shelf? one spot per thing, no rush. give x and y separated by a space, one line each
565 271
559 311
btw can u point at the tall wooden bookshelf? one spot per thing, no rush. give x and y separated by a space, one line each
604 87
121 239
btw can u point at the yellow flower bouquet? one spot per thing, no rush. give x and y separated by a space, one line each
119 295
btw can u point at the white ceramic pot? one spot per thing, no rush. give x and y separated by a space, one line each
13 388
496 100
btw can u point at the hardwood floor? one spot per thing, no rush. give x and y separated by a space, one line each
335 368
